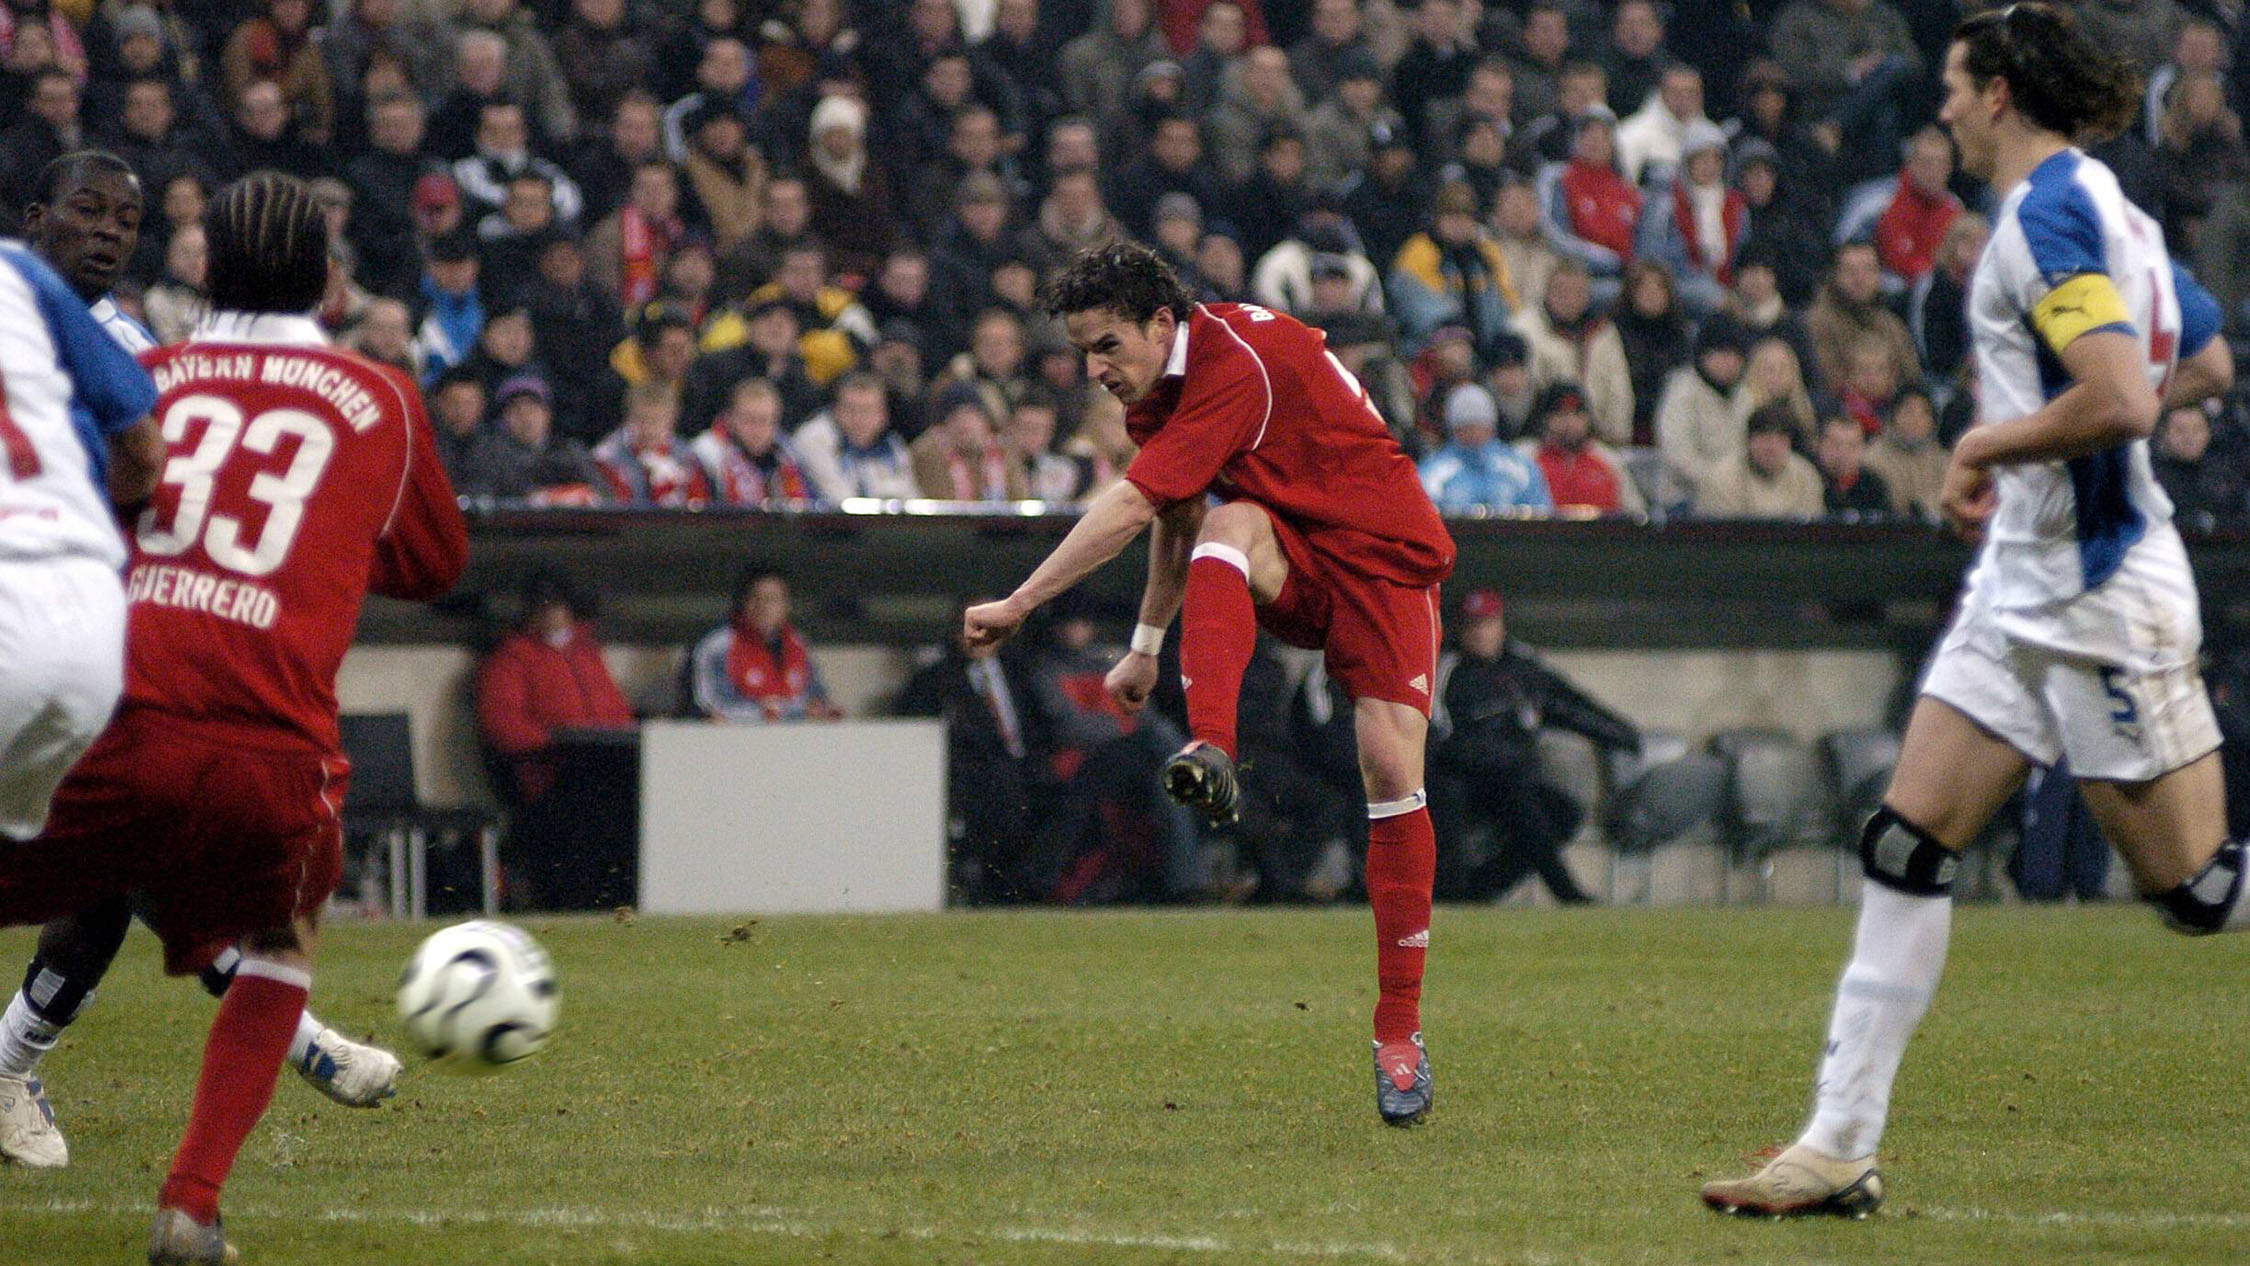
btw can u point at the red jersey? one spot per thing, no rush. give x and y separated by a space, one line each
298 478
1254 406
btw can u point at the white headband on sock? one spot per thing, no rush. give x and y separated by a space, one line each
1377 810
1227 554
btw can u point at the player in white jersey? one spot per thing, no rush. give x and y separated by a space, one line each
2078 634
75 443
85 223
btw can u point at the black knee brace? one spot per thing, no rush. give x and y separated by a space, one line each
1905 858
2200 906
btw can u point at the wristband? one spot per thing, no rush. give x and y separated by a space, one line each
1148 639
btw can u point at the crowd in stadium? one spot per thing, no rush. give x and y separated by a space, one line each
1611 258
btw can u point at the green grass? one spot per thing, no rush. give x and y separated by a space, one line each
1194 1087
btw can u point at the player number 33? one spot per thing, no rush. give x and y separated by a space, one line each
283 494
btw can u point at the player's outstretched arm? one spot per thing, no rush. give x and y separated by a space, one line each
136 460
1132 679
1108 526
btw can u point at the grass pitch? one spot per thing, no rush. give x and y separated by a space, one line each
1195 1088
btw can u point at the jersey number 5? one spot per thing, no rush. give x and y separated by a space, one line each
283 494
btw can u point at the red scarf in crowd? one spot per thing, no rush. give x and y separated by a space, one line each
644 245
1732 209
984 481
776 684
1578 479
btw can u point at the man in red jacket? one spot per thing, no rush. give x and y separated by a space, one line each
546 675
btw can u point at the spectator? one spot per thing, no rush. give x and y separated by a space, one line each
1384 202
1523 245
1435 68
1769 117
1335 290
574 325
851 451
602 55
1788 223
280 48
1332 51
1477 471
1582 473
175 305
1909 458
2201 156
1493 698
452 306
1572 341
755 668
1589 212
1481 159
902 291
725 176
149 134
369 30
2199 49
1507 375
996 772
974 146
1320 249
994 364
1768 480
504 349
384 178
1072 218
1858 71
2143 32
1015 53
522 459
546 675
604 165
1340 131
1028 439
1450 275
1870 384
1651 142
645 463
503 151
264 135
1848 489
384 333
1698 430
1655 334
2204 472
531 73
959 458
1937 309
1102 443
832 324
457 401
896 358
770 350
746 459
1756 302
1541 49
627 251
1772 376
973 241
1362 343
1204 69
1635 61
480 77
1695 228
1268 205
1850 306
1911 223
1096 69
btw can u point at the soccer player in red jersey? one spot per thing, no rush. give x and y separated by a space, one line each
1275 496
298 478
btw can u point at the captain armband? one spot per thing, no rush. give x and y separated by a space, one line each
2079 305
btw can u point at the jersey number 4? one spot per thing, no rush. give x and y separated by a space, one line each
194 471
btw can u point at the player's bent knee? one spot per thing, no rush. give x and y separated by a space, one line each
1905 858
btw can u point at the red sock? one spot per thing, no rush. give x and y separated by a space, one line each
1401 865
241 1061
1218 632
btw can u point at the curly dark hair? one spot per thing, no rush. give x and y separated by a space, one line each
1125 277
2058 77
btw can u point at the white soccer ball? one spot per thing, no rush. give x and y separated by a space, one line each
478 996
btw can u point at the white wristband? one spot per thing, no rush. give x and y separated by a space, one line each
1148 639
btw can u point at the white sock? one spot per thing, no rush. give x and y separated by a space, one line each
24 1038
300 1046
1894 971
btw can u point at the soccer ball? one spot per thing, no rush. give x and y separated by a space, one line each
478 996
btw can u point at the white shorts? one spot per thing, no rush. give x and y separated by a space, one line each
2108 679
62 640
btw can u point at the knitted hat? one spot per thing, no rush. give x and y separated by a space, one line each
1470 405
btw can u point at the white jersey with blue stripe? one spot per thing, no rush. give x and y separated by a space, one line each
68 387
129 333
2063 527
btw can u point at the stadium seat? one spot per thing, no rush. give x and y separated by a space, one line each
1775 798
1656 797
1859 764
383 804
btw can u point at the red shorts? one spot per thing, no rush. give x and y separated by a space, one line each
219 838
1378 638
